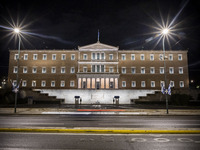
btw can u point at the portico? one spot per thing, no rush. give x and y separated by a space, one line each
98 81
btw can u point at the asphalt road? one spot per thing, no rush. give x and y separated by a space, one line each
13 141
70 121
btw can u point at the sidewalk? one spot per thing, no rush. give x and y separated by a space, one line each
54 111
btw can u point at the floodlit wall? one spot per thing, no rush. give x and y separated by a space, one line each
93 96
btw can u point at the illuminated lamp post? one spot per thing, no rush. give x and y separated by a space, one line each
17 31
165 32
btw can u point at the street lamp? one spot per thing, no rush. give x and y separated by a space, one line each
17 32
164 33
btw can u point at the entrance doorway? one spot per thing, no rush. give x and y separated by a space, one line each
97 85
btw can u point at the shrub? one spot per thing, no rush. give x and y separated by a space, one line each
180 99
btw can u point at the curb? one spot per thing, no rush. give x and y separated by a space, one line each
101 131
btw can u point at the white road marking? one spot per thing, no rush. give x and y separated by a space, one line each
138 140
161 140
185 140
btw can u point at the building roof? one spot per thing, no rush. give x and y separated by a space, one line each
98 47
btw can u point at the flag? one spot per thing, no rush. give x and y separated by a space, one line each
15 89
162 88
169 90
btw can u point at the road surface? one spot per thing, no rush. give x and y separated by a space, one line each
70 121
46 141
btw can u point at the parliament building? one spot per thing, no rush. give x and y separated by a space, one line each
98 72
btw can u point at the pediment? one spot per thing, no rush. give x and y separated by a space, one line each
97 46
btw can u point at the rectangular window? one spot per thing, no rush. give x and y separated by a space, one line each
102 56
133 70
172 83
16 57
25 70
44 57
162 70
63 57
171 70
24 83
62 70
53 56
14 83
84 69
44 70
181 83
162 83
43 83
110 56
180 57
123 83
142 70
53 83
72 70
72 56
102 68
123 70
143 84
62 83
53 69
110 69
151 56
161 57
142 57
123 56
153 84
84 56
170 57
98 56
35 56
93 68
180 70
71 83
152 70
132 56
15 70
25 56
33 83
98 68
133 84
93 56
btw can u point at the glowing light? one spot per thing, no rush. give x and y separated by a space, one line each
17 30
165 31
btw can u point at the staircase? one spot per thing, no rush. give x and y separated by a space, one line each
150 98
42 98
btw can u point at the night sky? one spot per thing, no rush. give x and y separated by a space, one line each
68 24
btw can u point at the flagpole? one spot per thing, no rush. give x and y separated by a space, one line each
98 36
165 74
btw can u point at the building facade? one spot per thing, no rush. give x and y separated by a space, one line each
98 67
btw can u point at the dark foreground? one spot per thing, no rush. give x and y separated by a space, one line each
13 141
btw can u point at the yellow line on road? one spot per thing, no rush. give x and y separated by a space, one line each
101 131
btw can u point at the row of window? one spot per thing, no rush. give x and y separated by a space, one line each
44 57
44 70
152 70
72 84
100 68
161 57
100 56
152 83
43 83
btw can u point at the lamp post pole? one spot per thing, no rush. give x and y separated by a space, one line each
17 76
165 72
